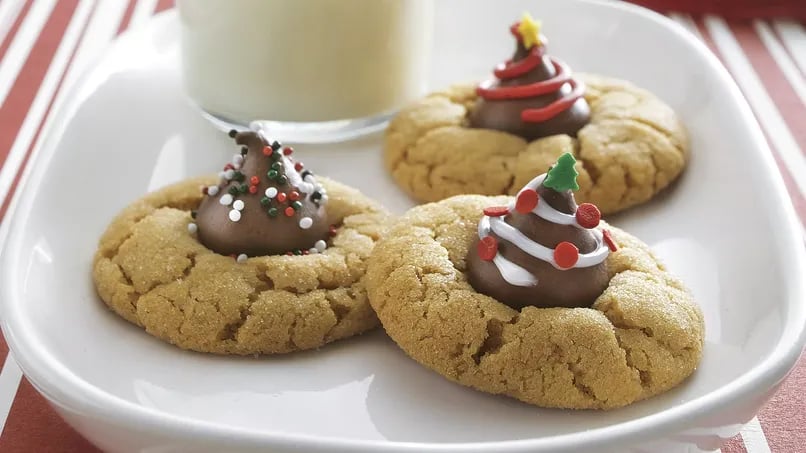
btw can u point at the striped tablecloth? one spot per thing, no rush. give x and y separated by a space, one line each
44 45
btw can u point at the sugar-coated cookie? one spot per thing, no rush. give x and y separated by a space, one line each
535 298
298 284
492 138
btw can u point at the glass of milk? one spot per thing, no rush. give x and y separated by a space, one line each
307 70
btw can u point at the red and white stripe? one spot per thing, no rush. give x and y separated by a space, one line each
44 47
769 66
45 44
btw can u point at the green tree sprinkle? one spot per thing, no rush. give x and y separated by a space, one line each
562 176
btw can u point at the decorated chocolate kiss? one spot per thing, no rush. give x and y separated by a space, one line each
534 95
542 249
265 204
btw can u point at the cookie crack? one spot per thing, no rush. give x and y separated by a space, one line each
404 157
191 265
643 375
230 331
666 134
112 252
494 338
576 380
340 311
290 344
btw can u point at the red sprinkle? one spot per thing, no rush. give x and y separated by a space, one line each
566 255
332 230
229 167
204 190
294 195
267 151
289 211
281 197
609 241
305 252
234 256
289 253
496 211
487 248
588 215
527 201
252 189
298 166
288 150
254 180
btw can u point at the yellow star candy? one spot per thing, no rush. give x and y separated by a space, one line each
530 31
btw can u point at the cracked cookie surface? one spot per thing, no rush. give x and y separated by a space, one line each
642 336
151 271
633 147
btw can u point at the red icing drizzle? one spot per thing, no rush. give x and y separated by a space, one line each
509 70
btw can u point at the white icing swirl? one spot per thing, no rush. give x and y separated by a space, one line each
518 276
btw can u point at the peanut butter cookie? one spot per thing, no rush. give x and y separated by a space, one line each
151 269
640 337
492 137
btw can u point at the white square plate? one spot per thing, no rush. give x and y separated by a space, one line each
726 228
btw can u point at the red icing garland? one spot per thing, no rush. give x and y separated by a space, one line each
509 70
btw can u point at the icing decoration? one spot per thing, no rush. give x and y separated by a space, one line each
496 211
527 201
565 255
533 95
563 175
529 31
488 248
588 215
609 241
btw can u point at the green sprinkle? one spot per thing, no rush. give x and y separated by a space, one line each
238 176
276 166
297 205
243 188
282 180
232 190
272 174
193 214
265 201
562 176
273 212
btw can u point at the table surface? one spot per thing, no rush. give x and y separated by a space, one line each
43 43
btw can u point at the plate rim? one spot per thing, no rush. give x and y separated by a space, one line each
62 387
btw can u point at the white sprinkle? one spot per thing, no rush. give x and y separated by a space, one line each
323 200
309 178
235 215
241 258
192 228
229 174
313 251
305 223
320 245
221 175
238 205
236 167
225 199
237 159
212 191
271 192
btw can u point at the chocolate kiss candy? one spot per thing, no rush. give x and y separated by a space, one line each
263 206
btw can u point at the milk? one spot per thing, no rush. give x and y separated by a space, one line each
304 60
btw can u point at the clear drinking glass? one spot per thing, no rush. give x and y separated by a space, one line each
306 70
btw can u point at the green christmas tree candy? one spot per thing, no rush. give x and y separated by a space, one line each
562 176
